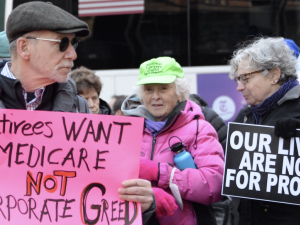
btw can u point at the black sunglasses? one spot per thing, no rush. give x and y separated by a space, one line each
63 43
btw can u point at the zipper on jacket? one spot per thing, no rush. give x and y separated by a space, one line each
154 138
153 146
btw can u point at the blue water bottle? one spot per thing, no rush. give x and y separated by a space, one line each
182 158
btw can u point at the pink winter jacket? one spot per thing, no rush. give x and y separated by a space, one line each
202 185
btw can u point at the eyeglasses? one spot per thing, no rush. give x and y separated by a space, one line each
63 43
243 78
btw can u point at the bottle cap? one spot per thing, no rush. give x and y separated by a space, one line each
177 147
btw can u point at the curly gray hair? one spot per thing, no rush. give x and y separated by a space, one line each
266 53
182 89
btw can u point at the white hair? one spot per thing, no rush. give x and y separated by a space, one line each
266 53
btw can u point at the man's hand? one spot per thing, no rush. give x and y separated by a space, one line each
137 190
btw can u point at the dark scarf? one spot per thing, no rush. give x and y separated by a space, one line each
262 108
154 127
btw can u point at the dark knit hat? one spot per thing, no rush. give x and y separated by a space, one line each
33 16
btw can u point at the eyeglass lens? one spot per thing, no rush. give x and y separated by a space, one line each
64 43
244 77
240 79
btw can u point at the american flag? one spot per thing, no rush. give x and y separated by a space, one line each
109 7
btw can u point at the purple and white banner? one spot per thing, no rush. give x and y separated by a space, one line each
221 95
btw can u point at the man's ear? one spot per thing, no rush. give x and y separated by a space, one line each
23 48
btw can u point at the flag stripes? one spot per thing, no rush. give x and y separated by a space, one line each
109 7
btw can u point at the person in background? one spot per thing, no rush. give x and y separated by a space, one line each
213 118
112 101
4 49
223 210
119 99
162 99
43 39
265 73
89 86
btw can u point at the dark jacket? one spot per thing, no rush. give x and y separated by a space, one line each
2 63
218 123
59 97
104 108
222 209
213 118
262 212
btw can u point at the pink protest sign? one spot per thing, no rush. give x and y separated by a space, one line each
66 168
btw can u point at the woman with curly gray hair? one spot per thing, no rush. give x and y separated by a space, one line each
265 73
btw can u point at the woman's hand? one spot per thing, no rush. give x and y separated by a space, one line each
165 203
137 190
286 128
149 170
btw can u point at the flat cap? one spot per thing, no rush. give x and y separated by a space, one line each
36 15
4 46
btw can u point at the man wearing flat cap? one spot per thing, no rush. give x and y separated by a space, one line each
43 39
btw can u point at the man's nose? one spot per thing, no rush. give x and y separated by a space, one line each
70 53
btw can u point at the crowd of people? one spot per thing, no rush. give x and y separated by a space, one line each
36 60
